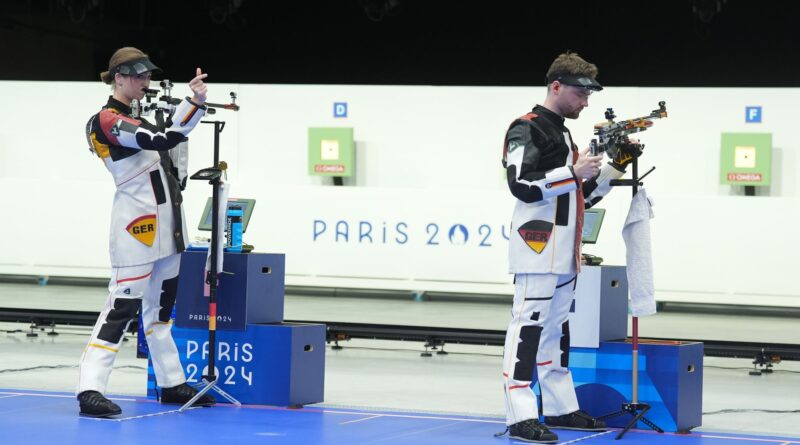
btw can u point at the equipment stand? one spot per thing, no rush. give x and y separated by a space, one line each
634 408
213 176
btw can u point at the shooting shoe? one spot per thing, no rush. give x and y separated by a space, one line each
578 420
179 395
532 431
94 404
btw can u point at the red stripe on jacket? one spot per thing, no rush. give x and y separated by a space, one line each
580 207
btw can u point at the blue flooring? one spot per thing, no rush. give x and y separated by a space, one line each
33 417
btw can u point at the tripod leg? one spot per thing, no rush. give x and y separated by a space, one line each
206 387
226 395
612 415
652 425
632 423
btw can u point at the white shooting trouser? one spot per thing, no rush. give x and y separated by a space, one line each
537 341
153 287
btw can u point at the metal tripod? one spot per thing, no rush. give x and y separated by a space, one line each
634 407
213 175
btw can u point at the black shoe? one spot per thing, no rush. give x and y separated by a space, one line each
577 420
179 395
94 404
532 431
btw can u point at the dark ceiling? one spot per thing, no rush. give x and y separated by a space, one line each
438 42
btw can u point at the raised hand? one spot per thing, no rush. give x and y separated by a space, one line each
199 88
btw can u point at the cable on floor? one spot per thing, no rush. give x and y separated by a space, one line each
367 348
34 368
755 410
750 369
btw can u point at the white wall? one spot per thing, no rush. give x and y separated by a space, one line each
426 155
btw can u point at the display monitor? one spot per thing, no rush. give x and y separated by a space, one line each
592 220
247 210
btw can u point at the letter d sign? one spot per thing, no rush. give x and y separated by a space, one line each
340 109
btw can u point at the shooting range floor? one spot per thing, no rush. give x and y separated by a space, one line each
382 376
51 417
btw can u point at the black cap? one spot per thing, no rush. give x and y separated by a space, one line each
135 66
575 80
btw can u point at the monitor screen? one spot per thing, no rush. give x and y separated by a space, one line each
592 220
247 210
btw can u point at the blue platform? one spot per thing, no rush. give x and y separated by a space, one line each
251 290
29 417
280 364
670 381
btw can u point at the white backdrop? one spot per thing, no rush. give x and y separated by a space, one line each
428 161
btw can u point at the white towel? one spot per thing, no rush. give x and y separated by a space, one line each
636 233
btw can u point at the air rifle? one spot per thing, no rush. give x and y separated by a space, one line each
611 134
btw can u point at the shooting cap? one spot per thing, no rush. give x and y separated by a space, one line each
575 80
136 66
128 61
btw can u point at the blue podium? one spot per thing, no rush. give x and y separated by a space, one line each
670 381
251 290
280 364
599 311
259 358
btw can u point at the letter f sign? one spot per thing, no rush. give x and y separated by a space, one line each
752 114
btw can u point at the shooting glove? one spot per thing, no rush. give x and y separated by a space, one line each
625 154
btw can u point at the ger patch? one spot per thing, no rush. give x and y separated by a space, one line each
536 234
143 229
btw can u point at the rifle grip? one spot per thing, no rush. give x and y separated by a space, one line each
593 148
